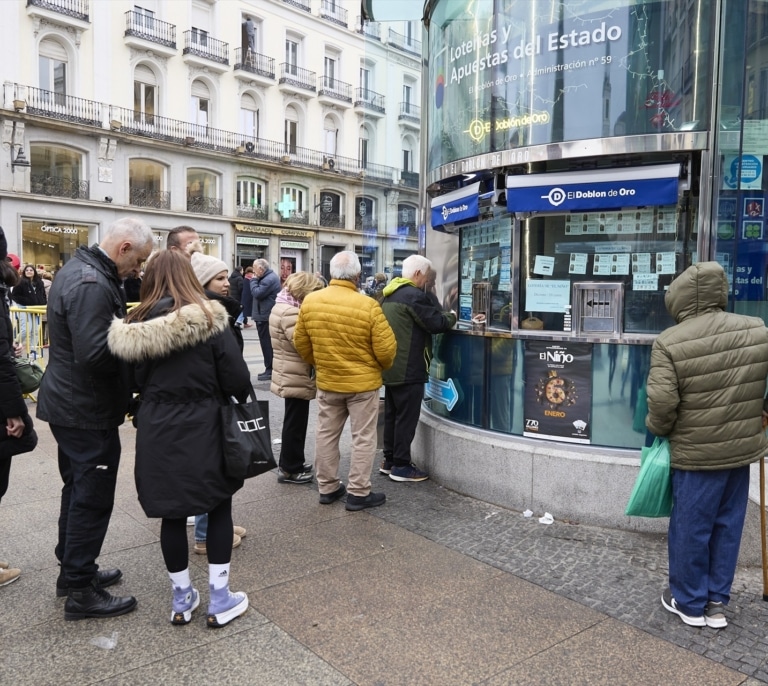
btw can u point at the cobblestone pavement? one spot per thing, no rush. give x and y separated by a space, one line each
619 573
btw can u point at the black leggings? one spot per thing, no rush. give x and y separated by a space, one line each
173 538
5 472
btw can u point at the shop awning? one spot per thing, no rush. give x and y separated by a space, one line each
456 206
601 189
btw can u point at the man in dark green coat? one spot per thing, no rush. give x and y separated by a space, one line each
414 316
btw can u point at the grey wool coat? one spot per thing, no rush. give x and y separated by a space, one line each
185 371
707 378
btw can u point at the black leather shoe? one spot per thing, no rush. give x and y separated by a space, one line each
359 502
328 498
94 601
104 577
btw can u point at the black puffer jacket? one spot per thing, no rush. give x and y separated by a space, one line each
414 317
29 292
85 385
185 371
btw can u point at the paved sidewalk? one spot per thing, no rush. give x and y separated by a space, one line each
431 588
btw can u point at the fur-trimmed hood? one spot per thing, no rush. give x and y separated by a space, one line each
168 333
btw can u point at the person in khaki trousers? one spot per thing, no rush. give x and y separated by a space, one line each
346 337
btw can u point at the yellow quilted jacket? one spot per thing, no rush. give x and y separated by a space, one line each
345 335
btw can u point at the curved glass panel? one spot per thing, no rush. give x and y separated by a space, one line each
514 74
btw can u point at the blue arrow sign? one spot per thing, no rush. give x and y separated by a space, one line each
443 391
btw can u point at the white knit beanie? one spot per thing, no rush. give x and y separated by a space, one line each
206 267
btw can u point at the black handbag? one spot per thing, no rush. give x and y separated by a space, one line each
245 437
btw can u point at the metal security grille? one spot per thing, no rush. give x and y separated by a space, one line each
597 308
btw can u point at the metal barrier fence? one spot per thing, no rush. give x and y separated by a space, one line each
30 329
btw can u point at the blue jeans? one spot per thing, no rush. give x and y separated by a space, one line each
201 528
705 534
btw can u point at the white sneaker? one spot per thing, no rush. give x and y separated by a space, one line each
191 520
669 604
225 606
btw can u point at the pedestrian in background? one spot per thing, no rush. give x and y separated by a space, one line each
236 284
187 365
705 388
19 435
29 292
246 299
84 396
184 239
292 378
265 285
414 317
347 339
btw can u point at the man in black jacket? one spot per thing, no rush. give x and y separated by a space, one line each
265 285
414 316
84 397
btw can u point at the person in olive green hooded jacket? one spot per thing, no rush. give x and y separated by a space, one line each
705 394
414 316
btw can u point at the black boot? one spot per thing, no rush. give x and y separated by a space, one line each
105 577
94 601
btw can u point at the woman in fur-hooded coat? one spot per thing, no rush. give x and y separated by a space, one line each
186 367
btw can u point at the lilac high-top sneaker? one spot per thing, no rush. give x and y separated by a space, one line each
225 606
185 601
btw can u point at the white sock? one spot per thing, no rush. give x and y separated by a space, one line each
218 575
180 579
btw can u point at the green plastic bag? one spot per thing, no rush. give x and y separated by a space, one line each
652 493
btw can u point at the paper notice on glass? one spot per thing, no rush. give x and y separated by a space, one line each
466 285
472 270
578 263
645 282
465 268
494 266
547 296
602 264
572 227
641 263
544 265
665 263
666 221
620 264
486 269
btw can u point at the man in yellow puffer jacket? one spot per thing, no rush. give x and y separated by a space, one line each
705 393
346 337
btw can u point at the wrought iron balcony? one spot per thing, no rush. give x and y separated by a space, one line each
292 75
59 186
200 44
255 63
369 100
64 107
253 212
367 225
407 228
333 220
333 88
143 197
203 205
72 8
140 25
296 217
332 11
300 4
410 179
409 112
370 29
398 40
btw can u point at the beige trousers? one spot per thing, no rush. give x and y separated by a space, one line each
333 410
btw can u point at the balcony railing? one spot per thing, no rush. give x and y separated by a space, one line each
368 226
296 76
72 8
410 179
203 205
255 63
334 88
333 220
253 212
102 116
300 4
296 217
410 112
370 29
64 107
398 40
202 45
332 11
59 187
369 100
407 228
143 197
141 26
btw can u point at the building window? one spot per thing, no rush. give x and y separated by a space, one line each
146 183
330 209
201 105
291 56
144 18
52 64
291 130
331 137
145 94
330 72
296 196
57 171
202 192
199 37
363 148
249 117
250 199
365 82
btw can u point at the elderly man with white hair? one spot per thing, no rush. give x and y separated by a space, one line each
345 336
414 316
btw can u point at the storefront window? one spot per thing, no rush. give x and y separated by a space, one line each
515 74
49 245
